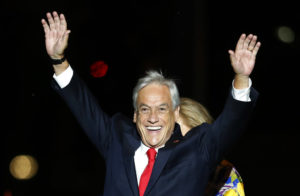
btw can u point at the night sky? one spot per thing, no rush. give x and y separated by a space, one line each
188 41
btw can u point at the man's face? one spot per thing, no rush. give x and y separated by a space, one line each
155 117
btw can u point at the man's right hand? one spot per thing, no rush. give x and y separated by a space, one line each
56 39
56 35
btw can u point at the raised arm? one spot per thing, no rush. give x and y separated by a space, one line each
83 104
56 39
243 59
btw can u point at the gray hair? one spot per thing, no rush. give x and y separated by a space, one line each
158 78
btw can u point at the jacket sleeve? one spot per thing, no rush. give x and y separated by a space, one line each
84 106
229 126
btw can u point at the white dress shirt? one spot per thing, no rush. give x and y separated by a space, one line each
141 160
140 156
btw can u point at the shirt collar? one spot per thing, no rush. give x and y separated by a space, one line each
145 148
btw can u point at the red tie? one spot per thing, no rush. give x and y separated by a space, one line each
151 153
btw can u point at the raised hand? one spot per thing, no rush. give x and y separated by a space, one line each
243 58
56 35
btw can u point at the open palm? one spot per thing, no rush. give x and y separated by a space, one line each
243 58
56 35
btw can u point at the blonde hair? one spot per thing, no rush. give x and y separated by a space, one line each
193 113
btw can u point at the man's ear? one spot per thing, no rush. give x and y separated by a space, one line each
134 117
176 113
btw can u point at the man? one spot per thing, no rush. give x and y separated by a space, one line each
182 165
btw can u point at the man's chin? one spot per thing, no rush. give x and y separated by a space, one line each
152 144
156 144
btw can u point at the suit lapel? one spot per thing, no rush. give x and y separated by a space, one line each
160 162
131 174
163 157
130 144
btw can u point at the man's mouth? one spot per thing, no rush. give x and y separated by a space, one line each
157 128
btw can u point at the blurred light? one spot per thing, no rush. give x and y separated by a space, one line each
7 193
98 69
285 34
23 167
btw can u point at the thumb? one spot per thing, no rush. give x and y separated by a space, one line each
66 35
65 38
231 55
231 52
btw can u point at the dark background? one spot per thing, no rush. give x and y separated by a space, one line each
188 41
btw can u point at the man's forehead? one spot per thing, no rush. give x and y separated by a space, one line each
154 95
157 105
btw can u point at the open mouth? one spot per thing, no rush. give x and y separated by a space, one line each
156 128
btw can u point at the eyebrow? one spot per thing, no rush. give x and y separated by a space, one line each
163 104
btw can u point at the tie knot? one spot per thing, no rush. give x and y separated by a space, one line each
151 153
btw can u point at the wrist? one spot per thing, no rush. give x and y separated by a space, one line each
241 81
57 61
59 68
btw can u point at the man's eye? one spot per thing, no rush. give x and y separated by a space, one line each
163 109
144 110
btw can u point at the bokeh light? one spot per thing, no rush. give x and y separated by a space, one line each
98 69
23 167
7 193
285 34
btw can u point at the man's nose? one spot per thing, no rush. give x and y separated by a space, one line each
153 117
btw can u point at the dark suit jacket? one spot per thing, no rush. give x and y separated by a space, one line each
182 167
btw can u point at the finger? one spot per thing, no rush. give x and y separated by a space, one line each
63 22
252 43
247 41
56 20
50 21
256 48
239 44
45 26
